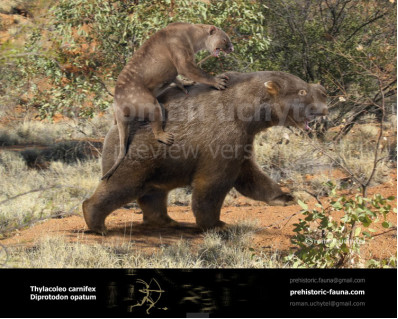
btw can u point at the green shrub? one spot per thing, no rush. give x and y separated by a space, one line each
325 241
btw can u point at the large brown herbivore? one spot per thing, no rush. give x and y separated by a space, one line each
212 152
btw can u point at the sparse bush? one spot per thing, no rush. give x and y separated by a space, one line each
325 241
283 160
359 158
16 7
367 132
180 196
7 138
319 185
45 133
363 167
32 132
384 263
66 152
95 127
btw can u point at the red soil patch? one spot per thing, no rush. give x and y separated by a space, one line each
125 225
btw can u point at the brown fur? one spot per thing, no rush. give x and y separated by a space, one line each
169 52
213 149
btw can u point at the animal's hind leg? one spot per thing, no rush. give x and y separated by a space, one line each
107 197
154 208
156 119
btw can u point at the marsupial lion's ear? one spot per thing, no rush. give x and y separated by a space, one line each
212 29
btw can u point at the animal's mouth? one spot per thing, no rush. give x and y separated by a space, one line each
309 118
216 52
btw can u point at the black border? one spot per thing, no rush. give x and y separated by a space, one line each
236 293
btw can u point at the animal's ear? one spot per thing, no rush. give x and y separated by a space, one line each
272 88
212 29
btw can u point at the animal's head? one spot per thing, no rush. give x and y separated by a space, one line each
218 41
294 101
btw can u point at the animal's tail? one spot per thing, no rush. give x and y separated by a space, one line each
124 141
114 167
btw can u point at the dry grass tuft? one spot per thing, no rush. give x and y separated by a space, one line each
28 195
57 191
228 248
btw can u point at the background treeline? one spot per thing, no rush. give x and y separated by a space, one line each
73 50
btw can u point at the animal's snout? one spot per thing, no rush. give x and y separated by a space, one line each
230 49
317 110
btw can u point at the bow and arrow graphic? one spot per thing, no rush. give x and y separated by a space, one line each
153 293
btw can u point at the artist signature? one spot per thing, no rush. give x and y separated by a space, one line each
152 292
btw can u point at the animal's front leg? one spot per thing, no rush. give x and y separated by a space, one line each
187 68
207 198
253 183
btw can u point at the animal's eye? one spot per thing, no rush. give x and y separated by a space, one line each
302 92
225 40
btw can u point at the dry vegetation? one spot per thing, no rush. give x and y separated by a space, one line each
227 249
49 166
29 195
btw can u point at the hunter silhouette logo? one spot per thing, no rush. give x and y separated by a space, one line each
151 294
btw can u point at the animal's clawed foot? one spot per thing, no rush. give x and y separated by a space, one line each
182 88
189 83
221 82
100 231
165 221
165 138
285 199
181 85
94 222
219 225
96 229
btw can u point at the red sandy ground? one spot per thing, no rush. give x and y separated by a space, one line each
276 228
